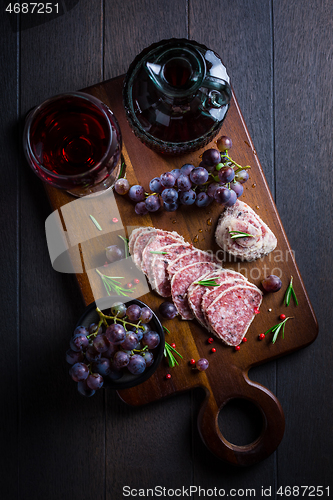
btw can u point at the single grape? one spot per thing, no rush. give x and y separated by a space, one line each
102 366
133 312
168 310
171 207
120 360
73 357
79 371
93 327
115 333
100 343
237 187
152 203
121 186
140 208
186 169
92 355
111 350
183 183
212 188
224 143
242 176
82 330
130 341
136 193
222 195
232 200
167 179
149 358
176 172
226 174
139 333
146 315
137 364
114 374
78 342
151 339
84 390
118 309
211 157
114 253
272 283
95 381
169 195
209 168
187 197
199 176
203 200
155 185
202 364
144 329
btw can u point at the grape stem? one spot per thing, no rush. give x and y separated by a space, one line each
115 319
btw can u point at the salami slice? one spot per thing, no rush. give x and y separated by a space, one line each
157 241
191 257
181 281
195 293
231 313
133 237
158 275
139 244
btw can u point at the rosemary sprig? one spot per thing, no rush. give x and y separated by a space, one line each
157 252
207 282
239 234
125 240
168 353
277 328
112 285
95 222
290 292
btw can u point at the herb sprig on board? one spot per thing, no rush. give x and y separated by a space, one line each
112 285
277 328
169 352
290 292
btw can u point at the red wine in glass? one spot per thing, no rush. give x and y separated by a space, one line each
72 141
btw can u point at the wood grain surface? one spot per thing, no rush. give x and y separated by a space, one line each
279 56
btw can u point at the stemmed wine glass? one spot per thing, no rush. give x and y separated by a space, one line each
72 141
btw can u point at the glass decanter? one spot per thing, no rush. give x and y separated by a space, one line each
176 95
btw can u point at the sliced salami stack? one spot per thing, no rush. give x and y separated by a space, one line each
176 268
160 254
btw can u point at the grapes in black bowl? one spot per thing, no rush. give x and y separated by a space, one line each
116 345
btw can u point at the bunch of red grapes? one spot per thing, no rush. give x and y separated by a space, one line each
98 353
217 178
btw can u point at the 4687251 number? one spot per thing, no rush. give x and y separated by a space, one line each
30 8
303 491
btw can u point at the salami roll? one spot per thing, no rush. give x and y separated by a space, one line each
191 257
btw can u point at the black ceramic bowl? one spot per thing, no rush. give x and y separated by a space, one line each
127 380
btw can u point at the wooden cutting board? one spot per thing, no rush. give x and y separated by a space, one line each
227 375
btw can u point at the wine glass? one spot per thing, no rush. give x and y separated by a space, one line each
72 141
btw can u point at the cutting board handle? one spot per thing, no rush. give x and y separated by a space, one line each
273 423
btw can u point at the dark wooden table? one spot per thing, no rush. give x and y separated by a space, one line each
57 445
